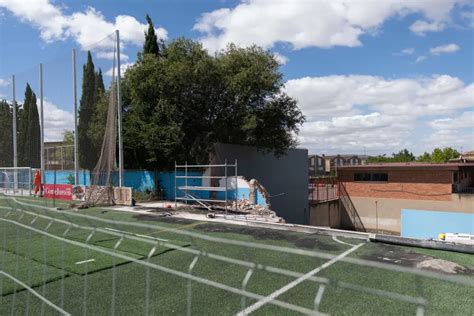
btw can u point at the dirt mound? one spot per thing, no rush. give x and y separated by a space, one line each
404 257
442 266
311 243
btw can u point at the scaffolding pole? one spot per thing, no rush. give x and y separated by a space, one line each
187 189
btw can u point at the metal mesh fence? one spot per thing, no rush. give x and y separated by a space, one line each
16 180
68 262
56 85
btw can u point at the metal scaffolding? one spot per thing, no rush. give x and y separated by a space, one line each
189 191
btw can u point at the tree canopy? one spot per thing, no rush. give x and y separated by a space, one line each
90 126
403 155
151 40
6 137
438 155
178 105
29 132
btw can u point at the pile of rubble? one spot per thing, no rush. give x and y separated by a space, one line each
248 208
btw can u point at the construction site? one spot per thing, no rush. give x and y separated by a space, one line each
180 187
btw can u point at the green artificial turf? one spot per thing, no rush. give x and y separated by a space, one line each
168 294
27 271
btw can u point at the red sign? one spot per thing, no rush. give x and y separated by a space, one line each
58 191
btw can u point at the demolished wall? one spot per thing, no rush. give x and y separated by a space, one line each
284 177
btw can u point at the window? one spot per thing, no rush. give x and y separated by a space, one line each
375 177
354 161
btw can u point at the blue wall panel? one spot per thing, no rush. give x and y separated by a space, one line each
62 177
143 180
428 224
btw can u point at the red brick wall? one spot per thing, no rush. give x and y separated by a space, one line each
402 184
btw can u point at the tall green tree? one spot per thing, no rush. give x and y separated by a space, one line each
99 84
151 40
99 120
68 138
6 134
425 157
87 151
441 155
403 155
178 106
29 133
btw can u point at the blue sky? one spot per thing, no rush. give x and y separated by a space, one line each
373 76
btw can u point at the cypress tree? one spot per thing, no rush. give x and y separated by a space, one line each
6 135
23 128
87 153
99 117
29 137
34 135
151 40
99 83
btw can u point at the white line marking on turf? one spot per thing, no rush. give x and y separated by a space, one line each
341 242
133 234
291 285
35 293
85 261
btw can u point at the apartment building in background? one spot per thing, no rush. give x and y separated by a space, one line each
321 165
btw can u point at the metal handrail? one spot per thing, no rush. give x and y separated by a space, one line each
349 206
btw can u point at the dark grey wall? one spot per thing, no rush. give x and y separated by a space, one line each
285 178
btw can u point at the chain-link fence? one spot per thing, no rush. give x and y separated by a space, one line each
73 87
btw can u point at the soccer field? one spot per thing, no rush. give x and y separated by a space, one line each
98 261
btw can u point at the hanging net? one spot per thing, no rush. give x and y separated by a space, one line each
101 191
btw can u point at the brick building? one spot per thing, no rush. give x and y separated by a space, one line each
320 165
389 196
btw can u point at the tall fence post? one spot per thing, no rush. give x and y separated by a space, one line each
76 140
186 178
15 154
236 186
119 113
175 189
42 124
225 193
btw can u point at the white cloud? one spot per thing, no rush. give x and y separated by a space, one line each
310 23
407 51
110 55
422 27
4 82
123 68
86 28
419 59
4 87
348 113
464 120
456 131
281 59
56 121
448 48
469 17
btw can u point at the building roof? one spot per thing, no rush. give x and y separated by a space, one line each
345 156
407 165
466 157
